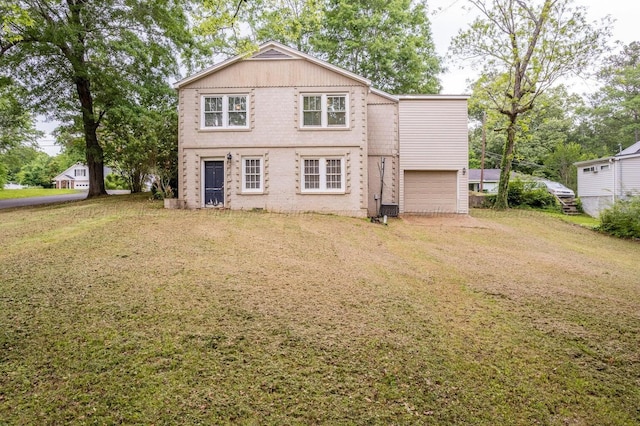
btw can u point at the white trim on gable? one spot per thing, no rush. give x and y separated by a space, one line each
263 48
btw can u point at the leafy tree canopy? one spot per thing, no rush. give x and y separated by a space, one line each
615 113
389 42
78 59
16 123
523 48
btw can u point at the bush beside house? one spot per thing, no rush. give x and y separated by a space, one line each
622 219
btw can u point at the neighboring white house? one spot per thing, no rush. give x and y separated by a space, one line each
75 177
283 131
604 180
490 180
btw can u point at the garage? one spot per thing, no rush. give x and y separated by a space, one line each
430 191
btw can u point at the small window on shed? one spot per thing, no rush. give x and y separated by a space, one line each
588 169
604 167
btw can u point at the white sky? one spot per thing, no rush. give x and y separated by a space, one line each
448 17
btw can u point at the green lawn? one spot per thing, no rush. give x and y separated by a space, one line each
33 192
119 311
581 219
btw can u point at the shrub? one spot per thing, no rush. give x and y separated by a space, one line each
622 219
525 193
114 181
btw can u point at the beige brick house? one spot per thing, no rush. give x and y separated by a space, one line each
283 131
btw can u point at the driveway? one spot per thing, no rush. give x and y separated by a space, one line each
34 201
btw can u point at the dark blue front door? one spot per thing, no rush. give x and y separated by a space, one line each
214 183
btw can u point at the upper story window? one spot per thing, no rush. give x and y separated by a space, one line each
324 110
80 172
224 111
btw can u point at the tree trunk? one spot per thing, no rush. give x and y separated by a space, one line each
502 201
95 154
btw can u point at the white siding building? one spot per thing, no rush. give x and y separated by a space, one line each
604 180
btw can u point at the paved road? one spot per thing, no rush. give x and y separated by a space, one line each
49 199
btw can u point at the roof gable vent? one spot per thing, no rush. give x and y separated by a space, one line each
271 54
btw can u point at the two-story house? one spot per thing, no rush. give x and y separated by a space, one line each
283 131
74 177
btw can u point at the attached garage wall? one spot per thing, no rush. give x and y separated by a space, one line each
430 192
434 152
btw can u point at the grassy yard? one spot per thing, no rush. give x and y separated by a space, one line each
33 192
118 311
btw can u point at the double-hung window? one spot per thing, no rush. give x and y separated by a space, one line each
324 110
224 111
252 174
323 174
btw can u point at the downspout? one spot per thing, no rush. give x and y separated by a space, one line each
615 178
381 185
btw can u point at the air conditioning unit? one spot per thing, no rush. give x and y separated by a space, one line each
390 210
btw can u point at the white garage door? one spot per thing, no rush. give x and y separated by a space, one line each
430 191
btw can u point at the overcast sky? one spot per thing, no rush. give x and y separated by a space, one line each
448 17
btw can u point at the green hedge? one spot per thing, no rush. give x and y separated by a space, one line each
622 219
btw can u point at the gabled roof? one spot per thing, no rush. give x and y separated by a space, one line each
631 152
489 175
271 51
66 174
633 149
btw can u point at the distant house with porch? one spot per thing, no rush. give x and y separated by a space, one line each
603 181
75 177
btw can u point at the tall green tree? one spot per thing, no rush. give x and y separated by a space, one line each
40 171
616 106
16 123
136 138
290 22
17 129
15 158
559 163
523 48
78 59
386 41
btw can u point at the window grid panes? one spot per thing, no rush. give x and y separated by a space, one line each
324 110
323 174
336 110
252 174
237 110
225 111
312 110
312 174
213 112
334 173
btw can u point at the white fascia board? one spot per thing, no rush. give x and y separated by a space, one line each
595 161
384 94
433 97
263 47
